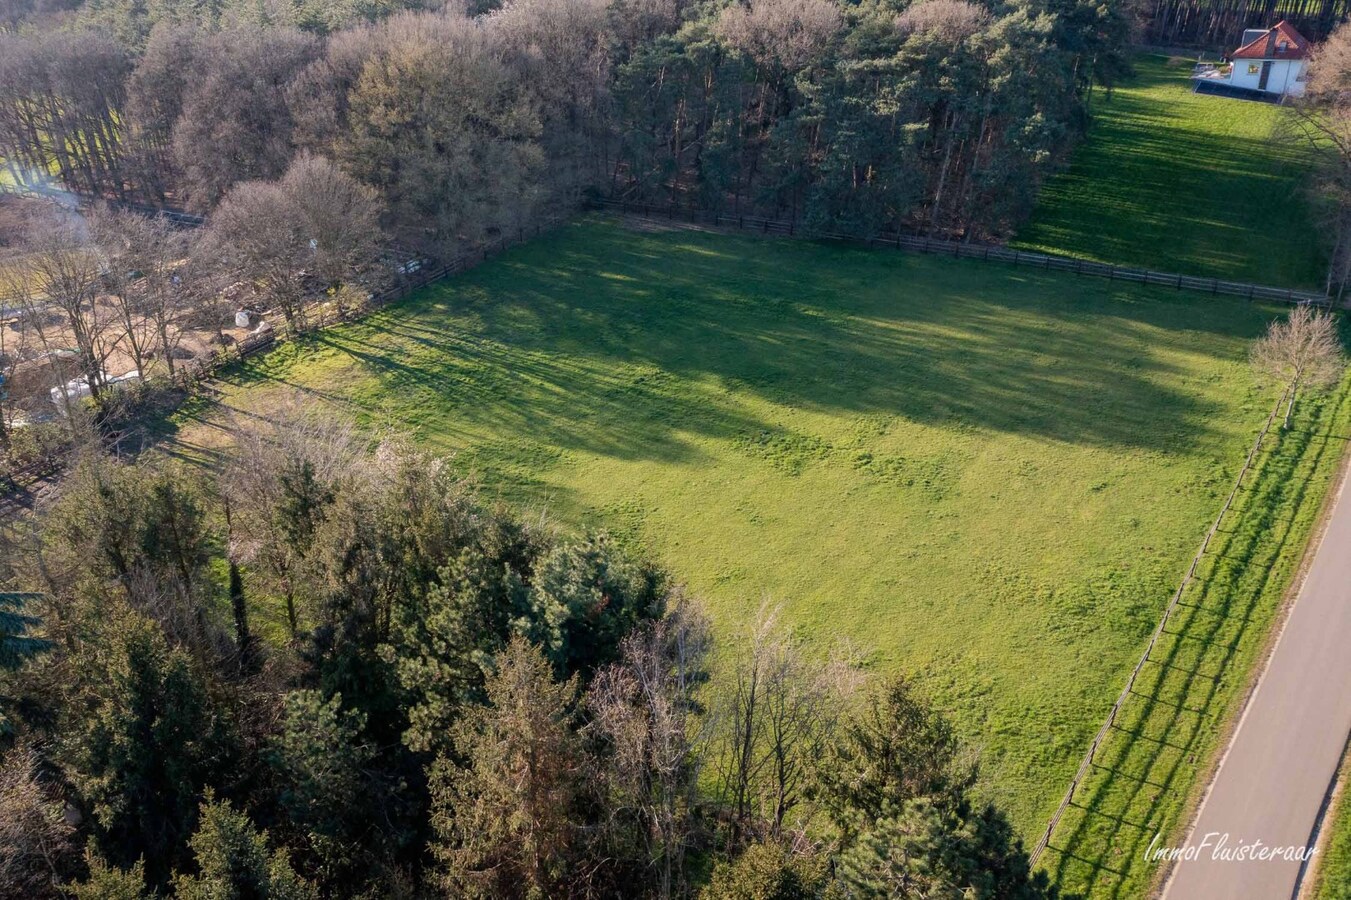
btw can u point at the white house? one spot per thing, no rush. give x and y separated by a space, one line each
1271 60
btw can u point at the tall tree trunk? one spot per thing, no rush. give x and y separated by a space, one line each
238 606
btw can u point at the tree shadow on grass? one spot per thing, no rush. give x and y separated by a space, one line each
636 345
621 347
1179 182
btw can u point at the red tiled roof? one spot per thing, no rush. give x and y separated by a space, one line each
1281 41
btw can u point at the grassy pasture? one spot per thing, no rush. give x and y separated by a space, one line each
987 476
1182 182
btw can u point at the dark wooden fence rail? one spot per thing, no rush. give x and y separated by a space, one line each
1168 611
962 250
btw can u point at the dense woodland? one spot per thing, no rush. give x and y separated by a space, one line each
334 148
944 114
332 671
1219 24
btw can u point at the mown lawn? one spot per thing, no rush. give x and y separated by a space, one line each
986 476
1181 182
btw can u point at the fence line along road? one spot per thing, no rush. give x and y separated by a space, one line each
963 250
1168 611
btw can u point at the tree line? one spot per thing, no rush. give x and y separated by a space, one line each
333 670
1322 121
1219 24
468 119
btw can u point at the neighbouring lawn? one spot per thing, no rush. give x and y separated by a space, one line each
1334 869
1181 182
988 476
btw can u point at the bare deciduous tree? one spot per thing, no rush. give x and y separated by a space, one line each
560 48
59 288
315 221
235 124
1302 352
114 236
340 220
953 19
782 33
35 842
782 709
283 477
644 708
441 125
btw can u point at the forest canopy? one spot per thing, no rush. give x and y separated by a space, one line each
335 671
940 115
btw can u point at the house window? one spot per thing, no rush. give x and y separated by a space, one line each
1253 68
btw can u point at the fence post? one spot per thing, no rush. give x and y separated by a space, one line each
1214 285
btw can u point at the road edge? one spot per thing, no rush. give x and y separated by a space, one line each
1201 793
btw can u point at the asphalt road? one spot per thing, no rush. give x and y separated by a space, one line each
1284 754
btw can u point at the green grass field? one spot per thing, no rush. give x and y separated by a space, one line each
1181 182
986 476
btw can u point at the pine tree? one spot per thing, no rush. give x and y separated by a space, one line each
320 757
145 740
17 644
507 821
106 882
233 862
933 849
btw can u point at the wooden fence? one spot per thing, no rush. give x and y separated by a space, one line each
1168 611
964 250
313 318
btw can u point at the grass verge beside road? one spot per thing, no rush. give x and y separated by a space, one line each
1333 872
1175 181
1152 767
